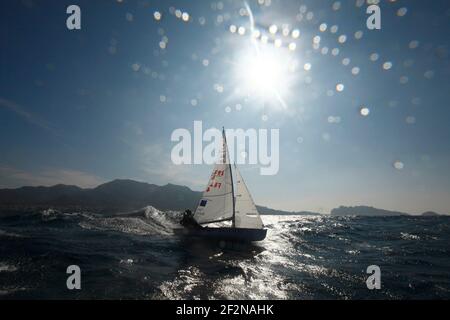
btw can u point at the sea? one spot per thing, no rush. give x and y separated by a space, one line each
137 256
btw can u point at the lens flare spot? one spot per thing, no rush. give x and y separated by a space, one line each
364 111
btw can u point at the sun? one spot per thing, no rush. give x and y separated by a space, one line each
266 70
264 73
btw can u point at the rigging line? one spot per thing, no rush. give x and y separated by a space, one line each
231 176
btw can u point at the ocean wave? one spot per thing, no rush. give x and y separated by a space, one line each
4 267
147 221
11 290
135 255
4 233
168 219
52 215
409 236
49 214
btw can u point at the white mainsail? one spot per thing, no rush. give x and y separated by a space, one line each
216 203
246 214
221 202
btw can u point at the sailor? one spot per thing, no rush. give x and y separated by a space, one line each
188 220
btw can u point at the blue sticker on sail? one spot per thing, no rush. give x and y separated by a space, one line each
203 203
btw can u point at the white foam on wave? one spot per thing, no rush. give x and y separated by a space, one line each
409 236
161 216
10 290
4 267
127 261
10 234
152 222
49 214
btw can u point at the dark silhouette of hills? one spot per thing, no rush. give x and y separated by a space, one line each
371 211
364 211
269 211
128 195
114 196
110 197
430 214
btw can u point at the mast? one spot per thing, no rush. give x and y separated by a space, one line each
231 175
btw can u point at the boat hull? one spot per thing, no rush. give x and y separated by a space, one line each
225 234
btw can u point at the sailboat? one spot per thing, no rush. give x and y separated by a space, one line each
226 201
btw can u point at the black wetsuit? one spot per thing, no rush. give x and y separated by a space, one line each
188 221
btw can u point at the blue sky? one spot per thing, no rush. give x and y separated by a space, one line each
84 107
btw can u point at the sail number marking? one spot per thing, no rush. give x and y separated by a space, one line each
217 173
213 184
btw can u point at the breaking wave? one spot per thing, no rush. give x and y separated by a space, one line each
147 221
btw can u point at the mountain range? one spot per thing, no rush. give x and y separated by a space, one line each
115 196
364 211
128 195
371 212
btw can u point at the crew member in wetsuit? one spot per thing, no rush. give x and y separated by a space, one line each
188 220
